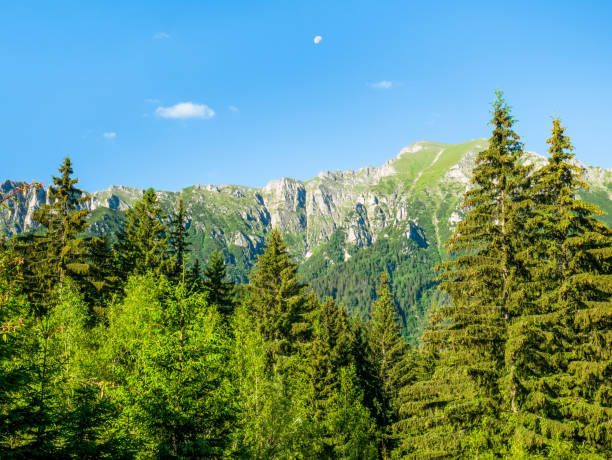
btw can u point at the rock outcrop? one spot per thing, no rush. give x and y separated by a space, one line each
424 183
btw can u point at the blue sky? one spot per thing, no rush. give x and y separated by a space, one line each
101 82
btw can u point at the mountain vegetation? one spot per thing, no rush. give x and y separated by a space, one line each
317 320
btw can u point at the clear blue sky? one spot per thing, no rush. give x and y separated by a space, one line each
100 82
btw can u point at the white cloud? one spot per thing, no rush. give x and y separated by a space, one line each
233 108
383 84
110 135
162 36
317 39
151 100
186 110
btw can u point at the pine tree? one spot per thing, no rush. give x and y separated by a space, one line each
483 283
277 301
562 343
219 291
179 246
143 244
388 353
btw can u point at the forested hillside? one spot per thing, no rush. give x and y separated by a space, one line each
342 227
318 320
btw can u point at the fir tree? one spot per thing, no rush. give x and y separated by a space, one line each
193 277
58 251
327 353
276 300
483 283
179 246
562 343
219 291
143 244
388 355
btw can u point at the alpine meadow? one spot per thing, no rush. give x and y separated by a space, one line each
454 302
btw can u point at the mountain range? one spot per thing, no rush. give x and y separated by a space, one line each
344 227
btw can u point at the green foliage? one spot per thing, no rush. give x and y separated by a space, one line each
561 341
178 243
268 425
52 404
342 426
515 360
143 244
219 291
277 301
168 372
353 282
388 355
468 334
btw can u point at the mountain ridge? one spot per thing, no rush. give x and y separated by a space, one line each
333 223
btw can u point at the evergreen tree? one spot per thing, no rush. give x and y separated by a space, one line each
143 244
349 424
63 222
562 343
102 276
193 277
483 283
59 251
179 246
388 354
276 300
219 291
327 353
49 253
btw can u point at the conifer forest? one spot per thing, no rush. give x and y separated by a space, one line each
125 345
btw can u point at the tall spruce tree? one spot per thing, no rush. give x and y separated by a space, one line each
483 283
277 300
179 246
562 344
343 425
58 251
388 353
325 355
143 244
193 276
219 291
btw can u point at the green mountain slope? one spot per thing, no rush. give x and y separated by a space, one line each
345 227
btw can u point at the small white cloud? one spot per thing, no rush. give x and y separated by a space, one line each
383 84
151 100
110 135
162 36
233 108
317 39
186 110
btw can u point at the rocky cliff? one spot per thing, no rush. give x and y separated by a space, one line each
413 200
